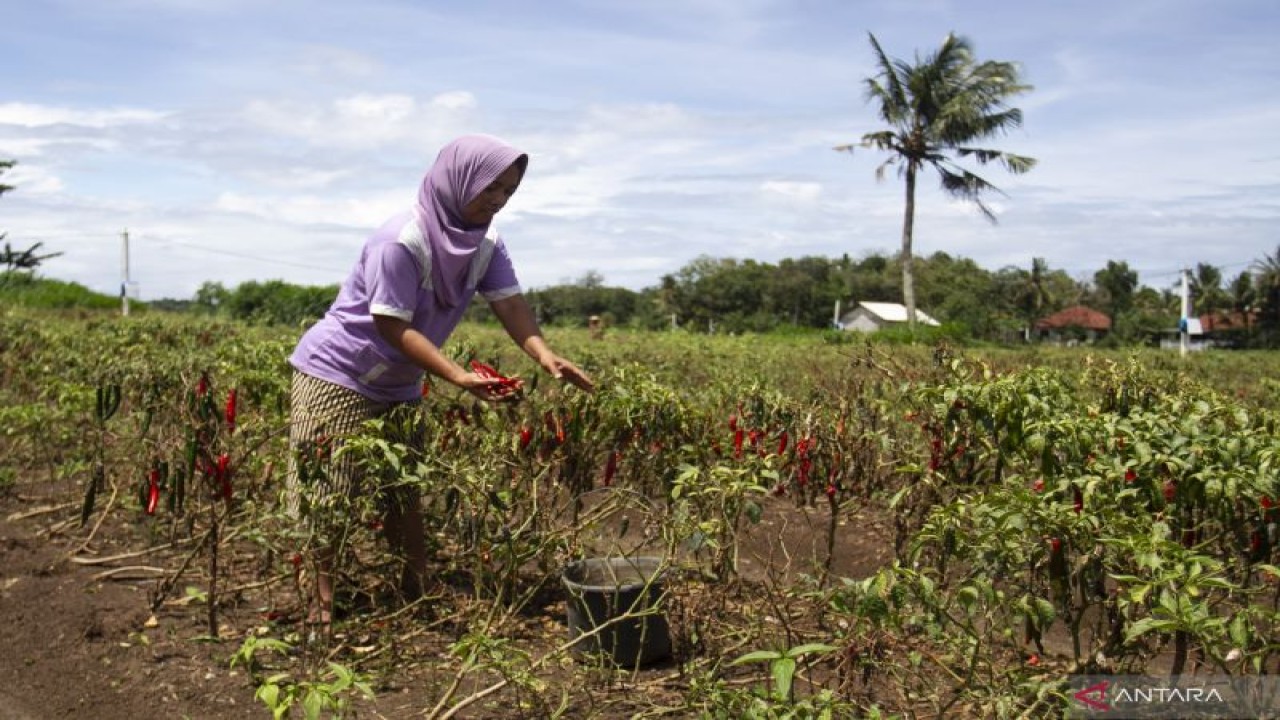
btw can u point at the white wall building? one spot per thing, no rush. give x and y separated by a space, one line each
873 316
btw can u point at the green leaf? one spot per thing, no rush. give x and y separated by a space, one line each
1045 612
754 511
269 695
784 669
312 704
1147 625
1239 631
808 648
757 656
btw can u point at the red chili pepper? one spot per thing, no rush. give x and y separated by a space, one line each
733 422
782 442
737 442
1170 490
487 372
831 491
611 467
525 436
803 477
231 410
323 447
153 491
1055 545
224 475
1079 500
202 385
1038 485
1130 475
554 426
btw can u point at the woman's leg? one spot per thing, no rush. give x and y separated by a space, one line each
402 521
403 528
319 485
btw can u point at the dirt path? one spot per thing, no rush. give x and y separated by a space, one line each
78 647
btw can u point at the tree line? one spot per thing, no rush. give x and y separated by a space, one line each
730 295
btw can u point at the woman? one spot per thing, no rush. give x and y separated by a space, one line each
408 291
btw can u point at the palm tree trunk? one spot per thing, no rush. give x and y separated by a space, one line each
908 223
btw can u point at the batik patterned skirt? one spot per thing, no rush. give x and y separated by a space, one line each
323 415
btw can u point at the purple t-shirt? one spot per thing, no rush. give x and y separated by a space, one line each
393 278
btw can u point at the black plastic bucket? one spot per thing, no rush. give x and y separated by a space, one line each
603 589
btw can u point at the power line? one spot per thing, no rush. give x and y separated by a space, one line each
1177 273
243 256
170 242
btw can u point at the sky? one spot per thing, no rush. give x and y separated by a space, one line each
239 140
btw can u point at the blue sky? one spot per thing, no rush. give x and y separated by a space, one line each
252 140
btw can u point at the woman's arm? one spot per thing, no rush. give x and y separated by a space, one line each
517 318
423 353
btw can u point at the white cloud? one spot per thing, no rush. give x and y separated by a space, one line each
36 115
365 121
33 180
356 212
801 191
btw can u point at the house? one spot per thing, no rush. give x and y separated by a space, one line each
873 316
1222 329
1074 324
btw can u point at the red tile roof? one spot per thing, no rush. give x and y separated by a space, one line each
1233 320
1077 316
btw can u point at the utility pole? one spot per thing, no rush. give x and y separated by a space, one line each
1185 324
124 284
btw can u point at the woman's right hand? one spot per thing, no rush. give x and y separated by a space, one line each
492 389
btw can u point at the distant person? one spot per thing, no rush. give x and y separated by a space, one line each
596 326
407 292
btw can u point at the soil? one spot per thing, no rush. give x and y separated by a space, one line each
78 637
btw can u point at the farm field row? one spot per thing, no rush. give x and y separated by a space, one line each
843 528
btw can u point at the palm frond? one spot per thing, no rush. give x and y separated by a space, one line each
968 186
1016 164
880 169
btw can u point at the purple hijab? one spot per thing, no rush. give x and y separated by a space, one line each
463 169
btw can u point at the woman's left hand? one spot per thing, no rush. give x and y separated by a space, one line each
562 369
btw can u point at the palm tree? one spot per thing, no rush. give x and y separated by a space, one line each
1206 288
1035 294
1267 287
937 106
